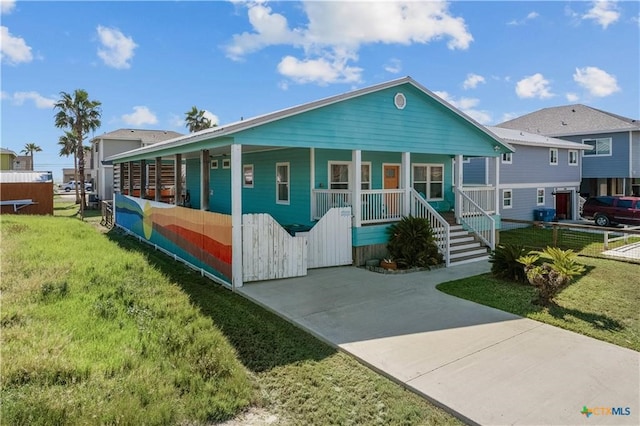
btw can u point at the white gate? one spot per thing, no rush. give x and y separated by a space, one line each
330 239
269 252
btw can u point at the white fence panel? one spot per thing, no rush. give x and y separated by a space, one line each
330 239
269 252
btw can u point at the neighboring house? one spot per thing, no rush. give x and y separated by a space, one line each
69 174
6 159
22 162
613 166
26 192
335 172
116 142
543 172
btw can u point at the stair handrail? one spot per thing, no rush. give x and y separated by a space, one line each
488 236
439 224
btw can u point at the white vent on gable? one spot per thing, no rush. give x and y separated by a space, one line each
400 101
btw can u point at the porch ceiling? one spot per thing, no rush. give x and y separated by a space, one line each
224 151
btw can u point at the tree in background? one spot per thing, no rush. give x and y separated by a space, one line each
29 149
80 115
69 146
196 121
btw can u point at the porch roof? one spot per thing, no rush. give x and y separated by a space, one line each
223 136
519 137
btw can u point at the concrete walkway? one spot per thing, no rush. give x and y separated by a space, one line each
483 365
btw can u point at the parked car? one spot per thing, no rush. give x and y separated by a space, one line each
71 186
606 210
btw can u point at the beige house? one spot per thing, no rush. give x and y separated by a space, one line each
116 142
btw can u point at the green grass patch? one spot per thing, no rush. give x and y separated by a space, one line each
99 328
91 333
602 303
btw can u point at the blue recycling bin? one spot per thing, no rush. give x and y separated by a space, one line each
544 214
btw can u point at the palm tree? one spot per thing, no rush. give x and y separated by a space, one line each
196 120
80 115
29 149
69 146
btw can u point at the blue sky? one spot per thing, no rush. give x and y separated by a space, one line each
149 62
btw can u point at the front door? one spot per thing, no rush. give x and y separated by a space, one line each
563 205
391 173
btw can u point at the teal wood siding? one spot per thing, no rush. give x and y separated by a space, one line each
370 235
372 122
262 197
192 182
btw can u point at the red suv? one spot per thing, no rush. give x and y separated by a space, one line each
606 210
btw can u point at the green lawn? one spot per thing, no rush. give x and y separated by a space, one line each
602 303
99 328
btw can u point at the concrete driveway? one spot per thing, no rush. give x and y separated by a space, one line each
483 365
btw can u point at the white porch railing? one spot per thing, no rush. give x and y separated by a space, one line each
440 227
475 219
325 199
483 196
382 205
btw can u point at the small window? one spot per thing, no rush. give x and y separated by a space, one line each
226 163
399 101
540 196
573 157
282 183
247 175
507 198
507 158
553 156
339 175
601 147
214 164
365 176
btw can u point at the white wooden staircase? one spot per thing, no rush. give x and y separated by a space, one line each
464 247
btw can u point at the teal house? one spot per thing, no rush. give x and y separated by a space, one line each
313 185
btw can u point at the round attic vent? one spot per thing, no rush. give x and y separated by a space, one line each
400 101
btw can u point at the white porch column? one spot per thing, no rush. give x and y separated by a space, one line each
459 178
406 183
204 179
356 159
312 181
497 185
236 215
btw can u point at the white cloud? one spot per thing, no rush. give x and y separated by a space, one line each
13 50
176 121
336 30
321 71
529 17
534 86
572 97
117 49
597 82
467 105
393 66
604 12
472 81
509 116
19 98
212 117
140 116
7 6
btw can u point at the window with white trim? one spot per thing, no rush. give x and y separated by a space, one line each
214 164
282 183
601 147
226 163
339 174
540 197
507 157
365 176
573 157
247 176
507 198
553 156
428 180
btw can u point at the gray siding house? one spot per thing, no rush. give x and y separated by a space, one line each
116 142
543 172
612 167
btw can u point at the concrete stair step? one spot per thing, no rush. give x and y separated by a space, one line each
461 261
468 253
464 246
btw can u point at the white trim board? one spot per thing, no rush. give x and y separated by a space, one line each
537 185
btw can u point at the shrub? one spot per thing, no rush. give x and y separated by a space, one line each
504 260
411 243
557 270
